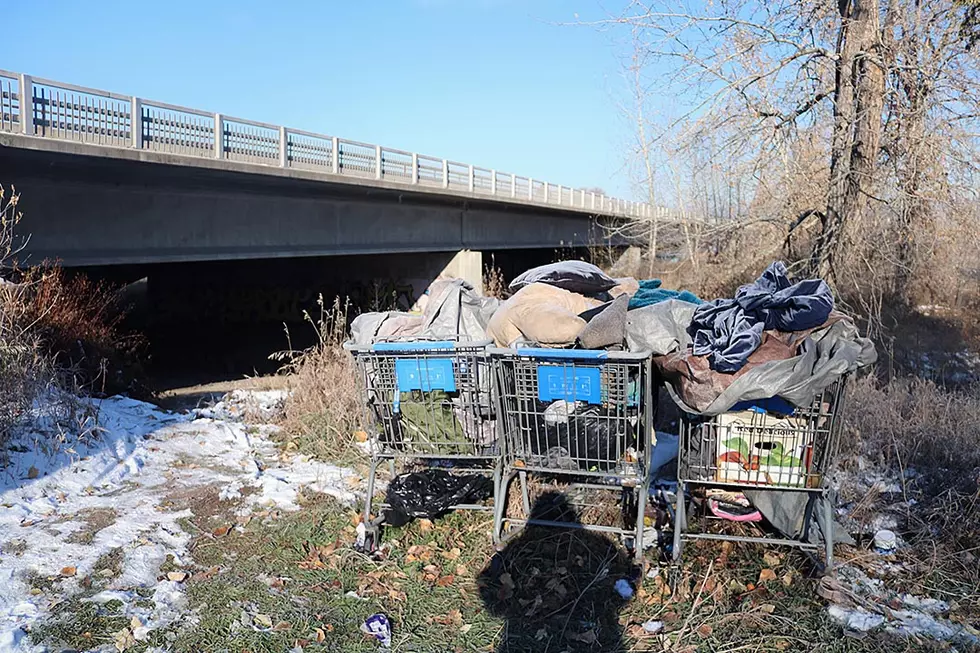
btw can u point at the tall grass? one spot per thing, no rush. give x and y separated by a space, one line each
324 409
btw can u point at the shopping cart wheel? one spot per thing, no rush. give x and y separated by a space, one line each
372 535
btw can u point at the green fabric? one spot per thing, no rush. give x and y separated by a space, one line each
429 417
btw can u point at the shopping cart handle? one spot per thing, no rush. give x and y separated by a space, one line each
574 354
415 345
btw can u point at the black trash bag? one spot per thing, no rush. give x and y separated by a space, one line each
432 493
594 439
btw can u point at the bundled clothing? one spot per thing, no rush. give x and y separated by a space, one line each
727 331
650 292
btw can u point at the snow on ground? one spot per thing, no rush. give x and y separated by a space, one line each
130 457
876 606
902 614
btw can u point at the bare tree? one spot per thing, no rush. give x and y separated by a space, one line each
860 117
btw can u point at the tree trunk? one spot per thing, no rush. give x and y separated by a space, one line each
858 100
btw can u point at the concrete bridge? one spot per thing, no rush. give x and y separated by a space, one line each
109 179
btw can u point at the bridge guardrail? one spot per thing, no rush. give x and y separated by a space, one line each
63 111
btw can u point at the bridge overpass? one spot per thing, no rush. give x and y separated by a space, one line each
110 179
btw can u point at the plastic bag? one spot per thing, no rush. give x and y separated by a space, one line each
431 493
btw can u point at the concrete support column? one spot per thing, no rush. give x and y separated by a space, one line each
467 264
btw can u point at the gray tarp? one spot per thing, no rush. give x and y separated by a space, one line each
454 310
660 328
787 510
824 356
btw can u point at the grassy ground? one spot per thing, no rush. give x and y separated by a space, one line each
290 579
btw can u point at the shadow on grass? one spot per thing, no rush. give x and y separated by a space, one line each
555 587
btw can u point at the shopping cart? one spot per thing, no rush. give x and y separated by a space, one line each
429 403
579 416
759 447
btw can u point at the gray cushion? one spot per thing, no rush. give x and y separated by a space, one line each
576 276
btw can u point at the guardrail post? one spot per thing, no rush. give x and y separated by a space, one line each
219 136
135 123
493 182
513 185
283 146
415 168
530 189
26 104
546 184
445 173
561 192
471 179
592 195
335 155
378 173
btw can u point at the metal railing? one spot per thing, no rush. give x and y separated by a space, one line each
48 109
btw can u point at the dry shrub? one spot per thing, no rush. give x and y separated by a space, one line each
324 407
914 423
56 334
24 372
494 284
77 322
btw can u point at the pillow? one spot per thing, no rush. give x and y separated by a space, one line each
541 314
576 276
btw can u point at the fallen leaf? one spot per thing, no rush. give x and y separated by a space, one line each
541 634
425 525
319 635
771 559
705 631
360 436
766 575
177 576
788 578
124 639
263 620
68 571
135 623
221 531
32 472
452 554
446 581
461 570
282 627
465 628
767 608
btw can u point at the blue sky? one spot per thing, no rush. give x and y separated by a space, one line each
497 83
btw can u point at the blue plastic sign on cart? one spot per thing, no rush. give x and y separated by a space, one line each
569 382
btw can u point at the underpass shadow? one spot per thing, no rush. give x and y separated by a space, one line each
555 587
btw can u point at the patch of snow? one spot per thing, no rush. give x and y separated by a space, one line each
859 620
128 457
238 405
916 616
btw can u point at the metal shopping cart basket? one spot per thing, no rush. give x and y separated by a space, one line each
760 448
582 417
429 403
